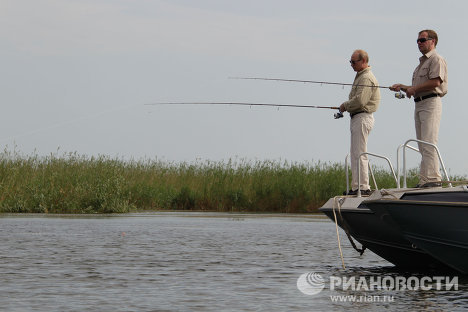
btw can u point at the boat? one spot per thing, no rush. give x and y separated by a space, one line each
434 220
414 228
375 233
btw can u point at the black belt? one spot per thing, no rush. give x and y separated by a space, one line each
420 98
354 114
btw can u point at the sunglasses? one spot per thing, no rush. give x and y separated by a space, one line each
422 40
354 62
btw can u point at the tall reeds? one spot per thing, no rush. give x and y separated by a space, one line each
73 183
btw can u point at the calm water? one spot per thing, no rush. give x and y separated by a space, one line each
189 262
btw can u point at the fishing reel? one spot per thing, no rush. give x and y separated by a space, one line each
338 115
399 95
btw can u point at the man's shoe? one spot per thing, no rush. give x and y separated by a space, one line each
429 184
366 192
354 192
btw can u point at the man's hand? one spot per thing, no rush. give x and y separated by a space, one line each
411 91
396 87
342 108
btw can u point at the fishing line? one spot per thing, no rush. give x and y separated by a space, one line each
65 123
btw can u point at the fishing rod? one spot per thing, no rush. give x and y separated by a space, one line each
336 115
398 95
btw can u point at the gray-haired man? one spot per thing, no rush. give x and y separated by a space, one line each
364 99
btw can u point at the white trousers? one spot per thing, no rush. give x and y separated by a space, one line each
427 114
361 125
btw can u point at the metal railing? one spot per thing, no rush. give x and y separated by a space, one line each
398 161
370 170
372 173
397 176
404 146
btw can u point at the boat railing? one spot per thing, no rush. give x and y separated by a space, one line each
398 161
404 146
397 176
370 169
347 172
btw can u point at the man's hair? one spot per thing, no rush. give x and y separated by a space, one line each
363 55
431 34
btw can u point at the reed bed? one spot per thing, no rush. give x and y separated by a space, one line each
72 183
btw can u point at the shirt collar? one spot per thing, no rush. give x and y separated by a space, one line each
363 71
428 54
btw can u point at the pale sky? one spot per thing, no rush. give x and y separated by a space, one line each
77 73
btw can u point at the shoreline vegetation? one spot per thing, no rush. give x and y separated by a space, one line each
76 184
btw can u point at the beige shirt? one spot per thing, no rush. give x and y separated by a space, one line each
431 65
365 94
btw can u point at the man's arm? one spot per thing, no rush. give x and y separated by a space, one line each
412 90
426 86
360 98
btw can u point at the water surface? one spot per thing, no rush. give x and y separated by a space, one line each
188 262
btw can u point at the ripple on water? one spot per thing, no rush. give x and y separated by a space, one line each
174 262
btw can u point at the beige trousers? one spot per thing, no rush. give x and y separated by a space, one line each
361 125
427 114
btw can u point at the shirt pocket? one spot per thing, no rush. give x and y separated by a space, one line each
423 72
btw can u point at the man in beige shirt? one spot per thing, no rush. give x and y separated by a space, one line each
429 85
364 99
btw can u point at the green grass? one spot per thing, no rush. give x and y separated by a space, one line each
73 183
